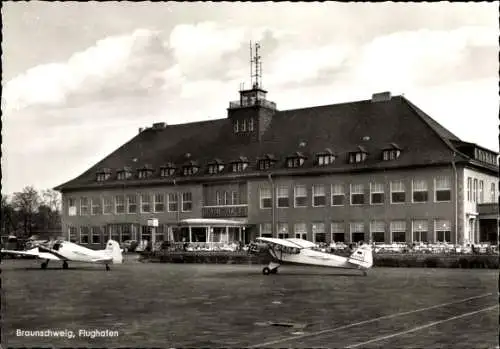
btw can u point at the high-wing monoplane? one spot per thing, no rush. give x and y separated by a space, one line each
303 252
66 251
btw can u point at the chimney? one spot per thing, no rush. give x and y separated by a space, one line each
159 125
381 97
140 129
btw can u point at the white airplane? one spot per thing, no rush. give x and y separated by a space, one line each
65 251
299 251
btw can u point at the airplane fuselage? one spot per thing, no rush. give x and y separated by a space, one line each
311 257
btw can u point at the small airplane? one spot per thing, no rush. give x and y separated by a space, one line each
299 251
61 250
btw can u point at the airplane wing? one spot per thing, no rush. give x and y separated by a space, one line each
302 243
281 242
34 252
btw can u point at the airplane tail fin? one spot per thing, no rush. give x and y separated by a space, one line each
116 252
362 256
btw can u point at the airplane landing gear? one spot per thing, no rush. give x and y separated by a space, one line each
107 267
272 268
65 265
44 264
266 271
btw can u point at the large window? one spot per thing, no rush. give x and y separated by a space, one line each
319 196
318 230
72 207
377 231
283 231
108 205
266 198
84 206
338 231
492 193
96 206
282 196
474 191
145 203
84 235
357 194
442 228
266 230
73 234
376 193
235 198
481 192
469 189
398 192
357 231
338 194
398 231
300 231
300 195
96 234
132 203
119 204
159 202
420 230
172 202
443 189
420 190
187 201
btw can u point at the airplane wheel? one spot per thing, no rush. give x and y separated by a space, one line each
65 265
274 271
43 265
266 271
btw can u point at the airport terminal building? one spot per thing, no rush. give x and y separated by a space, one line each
377 170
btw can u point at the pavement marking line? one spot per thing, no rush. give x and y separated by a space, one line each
418 328
311 334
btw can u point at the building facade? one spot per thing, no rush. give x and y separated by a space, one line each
377 170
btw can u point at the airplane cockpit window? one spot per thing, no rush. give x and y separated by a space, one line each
56 246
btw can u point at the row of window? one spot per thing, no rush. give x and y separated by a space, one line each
132 203
399 232
475 191
117 232
420 193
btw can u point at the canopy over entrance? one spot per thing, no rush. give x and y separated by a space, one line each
205 222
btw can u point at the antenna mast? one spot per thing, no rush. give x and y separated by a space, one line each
255 66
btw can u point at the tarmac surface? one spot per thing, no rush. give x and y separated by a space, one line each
209 305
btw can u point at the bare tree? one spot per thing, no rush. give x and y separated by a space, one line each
52 199
26 203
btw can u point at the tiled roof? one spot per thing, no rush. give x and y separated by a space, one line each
340 128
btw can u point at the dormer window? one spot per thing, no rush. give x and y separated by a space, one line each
145 172
358 156
124 173
295 160
325 158
266 162
167 170
392 152
103 174
190 169
239 165
215 167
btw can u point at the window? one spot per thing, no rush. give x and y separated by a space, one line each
187 202
283 231
391 154
144 173
235 198
282 196
84 235
239 166
357 231
189 170
324 159
481 192
265 164
167 171
103 176
124 174
107 205
300 231
492 193
226 199
84 206
250 124
338 194
357 194
244 126
265 198
377 231
398 231
71 207
145 203
319 196
218 198
357 157
145 233
474 191
300 195
96 205
293 162
443 189
442 229
215 168
420 190
318 230
132 203
338 231
96 234
398 194
236 126
73 234
420 230
265 230
119 204
469 189
172 202
159 202
377 193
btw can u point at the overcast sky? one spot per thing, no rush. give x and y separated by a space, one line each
79 79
